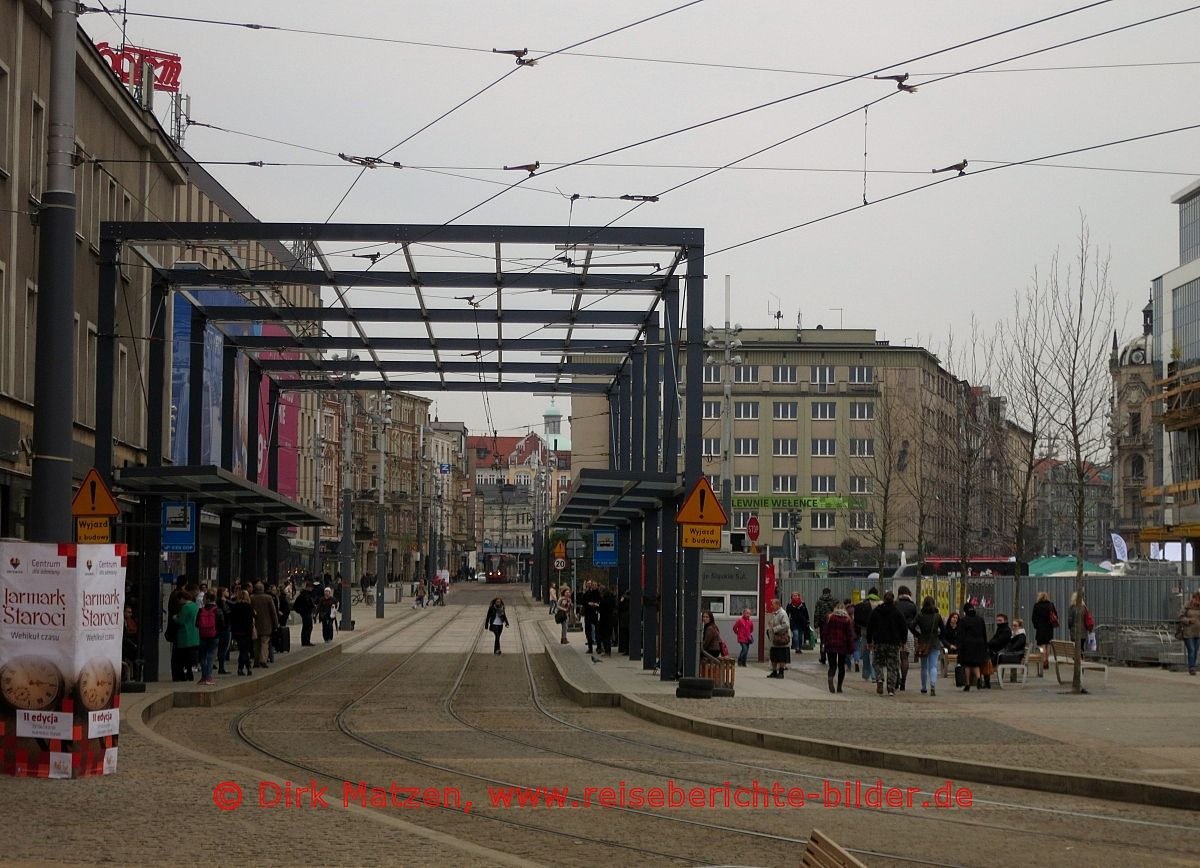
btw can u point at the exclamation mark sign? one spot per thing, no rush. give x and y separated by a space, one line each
92 492
703 496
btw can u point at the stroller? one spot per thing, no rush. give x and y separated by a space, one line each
437 594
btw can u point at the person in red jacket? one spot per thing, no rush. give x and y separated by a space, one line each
743 629
837 637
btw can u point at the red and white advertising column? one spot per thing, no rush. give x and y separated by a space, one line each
61 623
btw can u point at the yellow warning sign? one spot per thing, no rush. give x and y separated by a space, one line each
560 550
702 506
94 498
701 536
92 531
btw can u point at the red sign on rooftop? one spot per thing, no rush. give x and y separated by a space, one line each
127 60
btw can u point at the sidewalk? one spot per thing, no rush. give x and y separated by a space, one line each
1140 728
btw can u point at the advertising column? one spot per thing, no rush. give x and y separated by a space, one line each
61 610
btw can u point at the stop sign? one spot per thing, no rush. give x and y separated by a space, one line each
752 528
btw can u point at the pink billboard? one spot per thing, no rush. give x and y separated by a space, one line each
286 424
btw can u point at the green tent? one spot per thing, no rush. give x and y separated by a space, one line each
1063 565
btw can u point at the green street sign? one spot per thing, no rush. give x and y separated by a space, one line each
787 502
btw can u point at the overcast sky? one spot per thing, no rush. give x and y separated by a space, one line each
915 268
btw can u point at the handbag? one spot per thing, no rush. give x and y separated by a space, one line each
922 648
1179 629
724 649
560 617
1053 618
172 631
988 668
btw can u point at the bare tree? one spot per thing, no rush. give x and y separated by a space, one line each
1081 318
882 464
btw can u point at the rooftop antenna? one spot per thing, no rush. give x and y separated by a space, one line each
777 312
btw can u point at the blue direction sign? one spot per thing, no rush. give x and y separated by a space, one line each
444 469
179 526
604 547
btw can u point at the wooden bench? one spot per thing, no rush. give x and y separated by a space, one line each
1021 669
1064 653
823 852
721 670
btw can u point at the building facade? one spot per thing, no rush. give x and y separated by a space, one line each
1133 432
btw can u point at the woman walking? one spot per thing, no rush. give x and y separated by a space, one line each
562 617
241 628
779 628
223 634
973 649
1044 618
743 630
928 628
496 621
1189 630
327 608
837 639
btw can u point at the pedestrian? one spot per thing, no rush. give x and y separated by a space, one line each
797 611
563 615
206 626
1014 651
999 641
241 627
419 595
553 598
862 614
187 639
886 632
327 611
1188 630
606 623
223 635
496 621
591 612
743 630
367 582
304 605
1044 618
973 647
825 605
1086 640
837 641
904 602
266 619
171 633
928 629
779 628
710 637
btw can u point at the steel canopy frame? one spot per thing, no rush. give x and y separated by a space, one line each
494 332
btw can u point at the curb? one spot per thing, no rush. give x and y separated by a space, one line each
1062 783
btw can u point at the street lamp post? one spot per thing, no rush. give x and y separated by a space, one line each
726 341
385 420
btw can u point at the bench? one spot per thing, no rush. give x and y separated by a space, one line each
823 852
1021 669
1065 652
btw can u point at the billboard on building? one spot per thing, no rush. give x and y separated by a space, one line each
286 424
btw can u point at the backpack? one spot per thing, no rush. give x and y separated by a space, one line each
206 620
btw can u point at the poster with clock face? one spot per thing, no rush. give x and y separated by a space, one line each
61 622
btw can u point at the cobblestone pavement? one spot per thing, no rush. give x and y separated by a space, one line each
159 807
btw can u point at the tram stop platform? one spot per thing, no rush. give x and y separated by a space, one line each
1132 739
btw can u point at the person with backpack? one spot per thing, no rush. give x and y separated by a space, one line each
206 624
824 608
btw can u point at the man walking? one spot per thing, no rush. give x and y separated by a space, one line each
304 606
886 632
904 602
591 613
266 619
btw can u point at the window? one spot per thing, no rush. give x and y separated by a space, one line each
711 446
862 521
784 446
740 519
712 373
784 373
714 479
824 484
523 479
745 409
862 447
862 375
783 484
745 446
745 374
824 446
824 410
712 409
1137 467
862 410
1135 423
860 485
821 520
781 521
37 149
745 483
785 410
821 376
6 121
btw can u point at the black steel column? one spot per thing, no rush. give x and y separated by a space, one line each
625 463
273 530
149 609
106 354
692 450
195 432
669 541
250 528
638 465
646 619
228 425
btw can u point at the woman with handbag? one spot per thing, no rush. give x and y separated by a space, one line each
779 628
1044 618
1189 630
710 639
928 627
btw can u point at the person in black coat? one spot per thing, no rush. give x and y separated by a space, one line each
1014 650
996 644
589 603
606 622
886 632
797 611
304 606
496 621
972 645
1044 618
